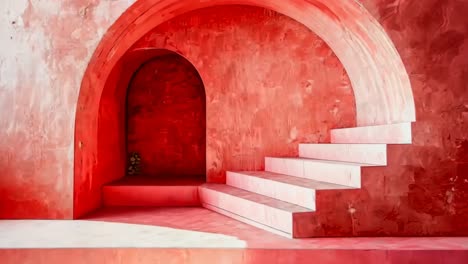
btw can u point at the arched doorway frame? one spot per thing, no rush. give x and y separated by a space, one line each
380 82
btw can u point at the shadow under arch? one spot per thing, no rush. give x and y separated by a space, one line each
380 83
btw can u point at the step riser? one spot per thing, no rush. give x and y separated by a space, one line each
162 196
386 134
348 175
282 191
245 220
375 154
271 217
288 167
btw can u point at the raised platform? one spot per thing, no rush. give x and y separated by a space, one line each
197 235
152 191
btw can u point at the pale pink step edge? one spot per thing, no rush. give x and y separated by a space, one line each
341 173
384 134
273 217
246 220
287 192
373 154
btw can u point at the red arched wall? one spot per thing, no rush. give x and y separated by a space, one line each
381 86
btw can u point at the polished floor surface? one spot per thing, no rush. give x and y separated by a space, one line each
185 228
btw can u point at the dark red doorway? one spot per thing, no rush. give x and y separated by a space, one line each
166 120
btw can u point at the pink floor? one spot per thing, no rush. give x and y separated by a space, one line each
209 237
199 219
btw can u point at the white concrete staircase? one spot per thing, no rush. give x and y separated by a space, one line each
281 199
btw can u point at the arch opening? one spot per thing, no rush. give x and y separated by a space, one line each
380 82
166 120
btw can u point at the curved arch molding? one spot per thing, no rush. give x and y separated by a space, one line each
381 85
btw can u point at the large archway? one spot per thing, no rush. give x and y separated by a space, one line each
381 86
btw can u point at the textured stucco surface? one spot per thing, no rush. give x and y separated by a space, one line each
423 191
46 46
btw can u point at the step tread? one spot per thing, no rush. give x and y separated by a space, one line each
398 133
256 198
375 154
344 144
401 124
325 161
302 182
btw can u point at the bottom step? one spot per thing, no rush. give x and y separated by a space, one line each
258 210
146 191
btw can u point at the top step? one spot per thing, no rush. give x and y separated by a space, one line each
385 134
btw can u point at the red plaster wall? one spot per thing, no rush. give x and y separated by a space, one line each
270 83
424 189
166 118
